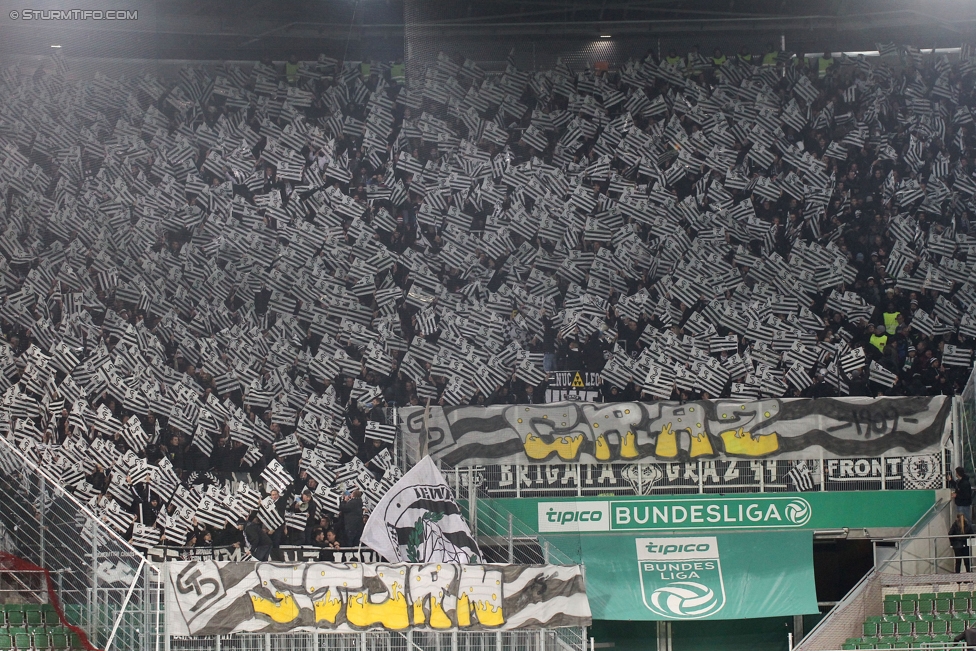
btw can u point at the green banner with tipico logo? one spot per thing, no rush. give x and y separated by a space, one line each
716 576
665 513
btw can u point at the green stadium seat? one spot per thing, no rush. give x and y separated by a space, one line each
907 606
847 645
925 606
923 628
957 626
41 641
33 614
22 641
17 630
903 628
891 607
870 628
50 615
940 626
960 604
15 614
943 605
74 640
887 628
59 641
882 645
911 595
6 642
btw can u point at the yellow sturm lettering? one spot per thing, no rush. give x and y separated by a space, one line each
565 447
701 445
327 608
602 448
430 592
392 614
282 611
667 443
628 446
480 593
438 618
486 613
744 444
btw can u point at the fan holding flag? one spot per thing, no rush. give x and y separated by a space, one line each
418 521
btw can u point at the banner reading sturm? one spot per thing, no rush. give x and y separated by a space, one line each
669 431
220 598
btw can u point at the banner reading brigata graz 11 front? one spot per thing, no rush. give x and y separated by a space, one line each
666 431
220 598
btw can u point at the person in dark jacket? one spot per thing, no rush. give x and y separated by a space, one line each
968 636
962 494
258 540
959 535
352 518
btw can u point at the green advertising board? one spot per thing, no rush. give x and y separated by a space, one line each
647 577
759 511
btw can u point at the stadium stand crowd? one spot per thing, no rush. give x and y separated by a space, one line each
233 275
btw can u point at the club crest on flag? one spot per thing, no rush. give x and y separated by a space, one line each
681 578
418 521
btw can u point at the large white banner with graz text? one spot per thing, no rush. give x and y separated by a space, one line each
220 598
796 428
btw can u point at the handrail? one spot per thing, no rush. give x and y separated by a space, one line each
874 574
56 485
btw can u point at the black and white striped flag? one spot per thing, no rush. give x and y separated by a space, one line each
800 477
379 432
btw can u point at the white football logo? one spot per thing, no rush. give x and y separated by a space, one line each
684 599
798 512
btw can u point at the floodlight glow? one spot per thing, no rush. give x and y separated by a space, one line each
605 36
57 46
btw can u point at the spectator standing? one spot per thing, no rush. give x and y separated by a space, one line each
962 494
258 540
352 518
959 534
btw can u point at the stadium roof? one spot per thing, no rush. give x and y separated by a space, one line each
251 28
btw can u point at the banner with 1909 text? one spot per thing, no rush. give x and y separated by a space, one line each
629 432
220 598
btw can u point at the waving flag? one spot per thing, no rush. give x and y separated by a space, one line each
418 521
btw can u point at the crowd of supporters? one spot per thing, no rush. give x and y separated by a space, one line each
476 233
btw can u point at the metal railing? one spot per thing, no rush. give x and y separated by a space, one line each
115 593
910 561
560 639
102 583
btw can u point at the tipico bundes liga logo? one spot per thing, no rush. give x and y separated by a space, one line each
681 578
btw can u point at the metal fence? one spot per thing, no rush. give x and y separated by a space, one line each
103 585
921 557
964 424
560 639
115 594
